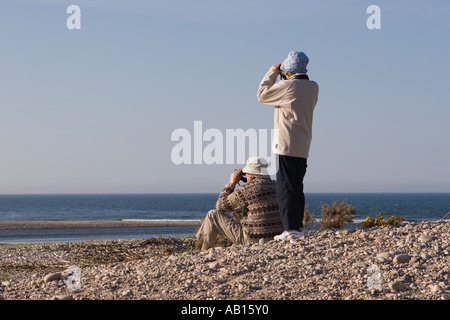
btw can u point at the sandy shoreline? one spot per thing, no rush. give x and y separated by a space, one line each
63 224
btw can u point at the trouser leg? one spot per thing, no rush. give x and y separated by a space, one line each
217 222
290 196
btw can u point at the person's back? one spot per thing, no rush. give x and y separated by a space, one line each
294 101
263 218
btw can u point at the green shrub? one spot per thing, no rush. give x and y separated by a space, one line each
335 216
378 221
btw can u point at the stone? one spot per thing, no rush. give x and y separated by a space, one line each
62 297
52 277
384 256
214 265
414 260
401 258
398 286
424 238
436 288
425 256
5 283
126 293
154 274
360 264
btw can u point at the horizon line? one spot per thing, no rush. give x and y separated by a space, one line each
162 193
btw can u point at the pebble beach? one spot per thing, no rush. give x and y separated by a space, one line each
406 262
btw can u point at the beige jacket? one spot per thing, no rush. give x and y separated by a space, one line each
294 102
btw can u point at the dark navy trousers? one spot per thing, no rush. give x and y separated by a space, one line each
290 196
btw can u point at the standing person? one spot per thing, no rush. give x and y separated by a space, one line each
294 98
257 197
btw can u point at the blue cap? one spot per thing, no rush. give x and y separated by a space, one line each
296 62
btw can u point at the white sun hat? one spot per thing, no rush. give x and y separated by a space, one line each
256 165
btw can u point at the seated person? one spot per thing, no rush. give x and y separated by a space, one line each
257 197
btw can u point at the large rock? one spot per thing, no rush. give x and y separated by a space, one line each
52 277
398 286
401 258
384 257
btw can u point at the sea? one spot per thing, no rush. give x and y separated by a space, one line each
412 206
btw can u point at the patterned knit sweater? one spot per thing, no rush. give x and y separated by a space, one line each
263 218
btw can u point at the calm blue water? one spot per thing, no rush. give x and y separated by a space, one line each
414 207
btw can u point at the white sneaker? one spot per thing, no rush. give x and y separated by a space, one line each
283 236
290 234
295 234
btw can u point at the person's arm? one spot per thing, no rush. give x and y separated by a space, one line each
269 91
230 200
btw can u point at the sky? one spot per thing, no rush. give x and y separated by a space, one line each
94 109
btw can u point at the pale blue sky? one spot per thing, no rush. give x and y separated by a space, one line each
92 110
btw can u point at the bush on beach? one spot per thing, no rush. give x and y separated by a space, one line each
378 221
335 216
